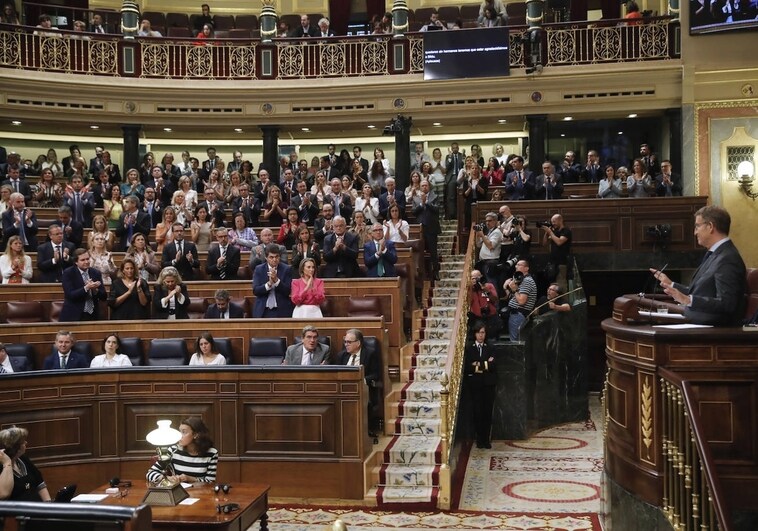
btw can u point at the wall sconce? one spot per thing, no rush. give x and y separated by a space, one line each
746 172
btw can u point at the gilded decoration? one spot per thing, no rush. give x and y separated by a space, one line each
607 44
332 60
417 55
374 58
103 57
646 415
561 45
155 60
199 61
516 51
10 48
55 53
291 61
654 40
242 61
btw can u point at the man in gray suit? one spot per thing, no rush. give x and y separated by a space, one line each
309 351
716 294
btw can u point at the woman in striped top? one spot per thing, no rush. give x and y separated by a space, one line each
193 458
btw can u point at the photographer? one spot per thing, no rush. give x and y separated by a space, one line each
559 237
522 296
483 303
489 237
553 301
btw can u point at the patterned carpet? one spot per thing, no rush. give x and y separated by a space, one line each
548 482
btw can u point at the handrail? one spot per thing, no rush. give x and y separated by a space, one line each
565 44
692 497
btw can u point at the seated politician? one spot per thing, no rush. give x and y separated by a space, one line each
64 357
716 293
356 354
192 460
223 308
19 478
309 351
9 365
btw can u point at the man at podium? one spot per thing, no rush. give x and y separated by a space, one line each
716 294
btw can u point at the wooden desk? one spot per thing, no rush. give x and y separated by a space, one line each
252 499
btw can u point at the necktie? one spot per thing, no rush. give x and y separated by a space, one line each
336 205
180 248
479 346
706 256
64 358
352 360
77 207
21 228
89 304
306 358
58 250
15 186
130 229
223 315
380 263
271 299
222 273
2 370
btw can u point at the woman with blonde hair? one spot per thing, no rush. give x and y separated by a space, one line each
164 233
307 291
171 298
15 265
100 226
190 195
101 259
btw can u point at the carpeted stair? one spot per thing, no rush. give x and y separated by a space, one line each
409 474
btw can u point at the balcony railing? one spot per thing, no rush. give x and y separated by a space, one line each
238 59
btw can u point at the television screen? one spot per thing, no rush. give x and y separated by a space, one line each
479 52
708 16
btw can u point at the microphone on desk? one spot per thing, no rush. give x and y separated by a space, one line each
644 290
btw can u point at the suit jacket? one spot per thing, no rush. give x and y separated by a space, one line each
76 234
186 270
487 376
372 364
307 214
50 272
300 32
95 166
9 229
234 311
384 203
258 255
74 361
388 259
592 175
345 204
343 262
318 230
87 204
180 310
24 188
142 224
319 356
547 191
718 288
75 296
99 194
427 214
281 291
218 215
157 215
676 185
232 262
522 189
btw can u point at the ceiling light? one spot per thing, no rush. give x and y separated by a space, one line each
563 134
633 115
167 129
437 124
94 127
621 132
306 129
237 130
502 121
15 122
568 118
371 126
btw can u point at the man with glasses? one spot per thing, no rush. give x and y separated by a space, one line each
272 284
716 294
309 351
355 354
379 254
54 256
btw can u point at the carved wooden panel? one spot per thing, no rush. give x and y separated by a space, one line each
290 428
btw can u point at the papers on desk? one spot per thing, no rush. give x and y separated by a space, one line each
662 316
189 501
187 485
88 498
683 326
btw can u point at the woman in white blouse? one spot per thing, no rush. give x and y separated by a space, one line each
111 356
15 265
207 354
396 229
368 204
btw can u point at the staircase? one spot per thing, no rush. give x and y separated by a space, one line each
408 476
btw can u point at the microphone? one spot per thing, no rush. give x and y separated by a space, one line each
644 290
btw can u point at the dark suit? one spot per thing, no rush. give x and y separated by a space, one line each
569 173
232 310
157 214
388 259
185 268
427 215
521 188
10 229
218 214
231 266
481 382
86 206
544 189
592 174
307 214
180 309
49 271
142 224
675 188
75 296
372 364
74 361
345 205
101 192
72 233
300 32
717 288
95 166
319 356
24 188
384 203
281 291
342 263
318 230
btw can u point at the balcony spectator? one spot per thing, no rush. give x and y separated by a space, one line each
97 25
610 187
283 30
45 23
9 15
490 19
497 14
592 171
633 15
305 29
146 31
323 27
434 24
667 183
548 185
520 183
493 174
204 34
640 183
204 18
569 169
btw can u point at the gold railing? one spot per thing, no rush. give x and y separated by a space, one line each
110 55
691 494
453 378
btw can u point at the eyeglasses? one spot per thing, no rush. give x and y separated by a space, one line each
698 225
227 508
350 340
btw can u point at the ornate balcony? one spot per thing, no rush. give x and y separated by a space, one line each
572 44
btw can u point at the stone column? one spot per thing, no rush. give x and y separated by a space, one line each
675 138
537 141
271 151
131 147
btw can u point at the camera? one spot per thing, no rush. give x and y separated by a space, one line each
479 227
516 222
518 277
540 224
511 262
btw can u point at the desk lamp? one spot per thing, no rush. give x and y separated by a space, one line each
166 492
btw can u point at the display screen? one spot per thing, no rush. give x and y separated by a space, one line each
709 16
454 54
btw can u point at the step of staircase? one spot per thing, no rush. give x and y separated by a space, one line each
389 475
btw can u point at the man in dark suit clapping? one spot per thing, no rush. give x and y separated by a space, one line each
272 284
20 221
132 221
341 251
82 290
181 254
223 259
427 211
54 256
